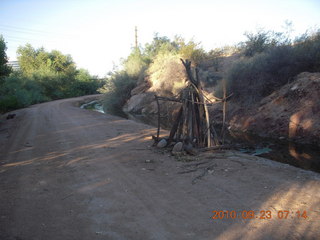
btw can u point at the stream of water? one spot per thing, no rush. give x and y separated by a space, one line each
299 155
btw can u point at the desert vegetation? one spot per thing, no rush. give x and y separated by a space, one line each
253 69
43 76
156 65
268 61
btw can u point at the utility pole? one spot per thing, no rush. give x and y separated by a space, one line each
136 36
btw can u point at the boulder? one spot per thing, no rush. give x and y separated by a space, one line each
162 143
177 147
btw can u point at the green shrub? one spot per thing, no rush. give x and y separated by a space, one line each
190 50
18 91
8 103
5 70
118 88
252 78
135 64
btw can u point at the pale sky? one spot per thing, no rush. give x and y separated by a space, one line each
97 33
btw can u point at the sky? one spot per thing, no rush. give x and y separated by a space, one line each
98 33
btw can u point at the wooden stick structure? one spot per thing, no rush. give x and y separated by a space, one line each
192 124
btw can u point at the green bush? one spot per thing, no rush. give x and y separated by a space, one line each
18 91
190 50
135 64
252 78
118 88
8 103
5 70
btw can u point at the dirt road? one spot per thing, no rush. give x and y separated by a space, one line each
69 173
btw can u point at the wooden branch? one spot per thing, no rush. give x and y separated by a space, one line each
180 101
187 65
158 130
195 133
206 113
175 126
227 98
197 77
169 99
224 110
190 119
215 135
185 120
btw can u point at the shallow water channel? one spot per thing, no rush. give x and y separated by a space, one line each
299 155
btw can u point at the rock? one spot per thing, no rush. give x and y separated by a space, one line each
177 147
27 144
11 116
162 143
137 102
141 88
190 149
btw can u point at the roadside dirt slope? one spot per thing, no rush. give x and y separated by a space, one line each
69 173
292 112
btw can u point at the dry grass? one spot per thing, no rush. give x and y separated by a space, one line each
166 74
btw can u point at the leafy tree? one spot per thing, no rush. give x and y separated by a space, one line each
190 50
5 70
27 57
62 63
159 45
33 60
85 84
262 40
44 76
135 64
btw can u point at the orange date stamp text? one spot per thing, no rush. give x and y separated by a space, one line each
261 214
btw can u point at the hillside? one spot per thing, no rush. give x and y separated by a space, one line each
291 112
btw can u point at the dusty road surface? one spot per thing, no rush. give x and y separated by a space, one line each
69 173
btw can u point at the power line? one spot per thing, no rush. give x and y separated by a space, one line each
20 38
13 42
31 31
24 32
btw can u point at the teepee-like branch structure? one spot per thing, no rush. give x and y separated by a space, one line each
192 124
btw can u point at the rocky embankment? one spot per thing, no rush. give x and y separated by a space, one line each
292 112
